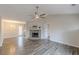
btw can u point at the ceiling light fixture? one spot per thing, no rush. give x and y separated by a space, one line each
37 15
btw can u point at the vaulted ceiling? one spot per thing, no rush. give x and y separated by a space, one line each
23 11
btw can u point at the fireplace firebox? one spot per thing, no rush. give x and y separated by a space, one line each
35 33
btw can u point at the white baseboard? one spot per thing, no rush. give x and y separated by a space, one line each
66 43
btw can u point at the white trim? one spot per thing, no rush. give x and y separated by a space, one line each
65 43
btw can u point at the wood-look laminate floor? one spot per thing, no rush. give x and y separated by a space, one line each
21 46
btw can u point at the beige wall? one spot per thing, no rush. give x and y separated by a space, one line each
64 29
1 32
11 29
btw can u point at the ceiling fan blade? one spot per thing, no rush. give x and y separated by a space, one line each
43 15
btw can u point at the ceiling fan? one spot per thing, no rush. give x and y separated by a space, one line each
37 15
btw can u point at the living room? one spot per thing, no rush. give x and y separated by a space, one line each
39 29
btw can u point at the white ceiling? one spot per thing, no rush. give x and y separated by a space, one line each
23 11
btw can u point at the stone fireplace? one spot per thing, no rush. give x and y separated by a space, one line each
35 32
38 29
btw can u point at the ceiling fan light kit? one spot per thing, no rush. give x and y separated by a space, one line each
37 15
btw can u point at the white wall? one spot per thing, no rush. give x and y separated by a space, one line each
64 29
